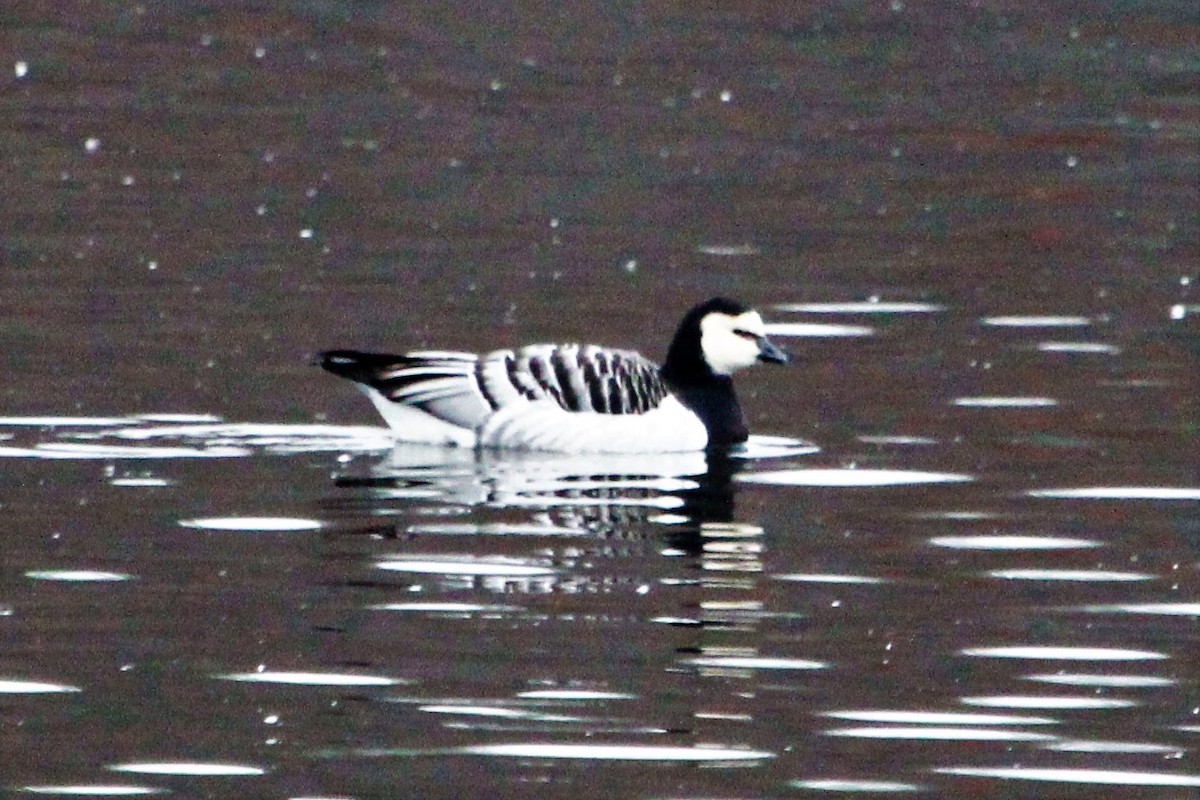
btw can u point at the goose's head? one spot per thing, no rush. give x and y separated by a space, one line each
719 337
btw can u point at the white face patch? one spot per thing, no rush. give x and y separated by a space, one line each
730 343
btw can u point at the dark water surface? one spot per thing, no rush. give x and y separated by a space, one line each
974 224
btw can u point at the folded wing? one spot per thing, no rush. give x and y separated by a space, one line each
577 378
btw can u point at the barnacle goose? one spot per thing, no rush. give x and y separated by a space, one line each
572 398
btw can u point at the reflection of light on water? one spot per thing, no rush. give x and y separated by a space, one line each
1031 321
63 422
1067 575
1120 493
442 608
1099 348
34 687
496 712
310 678
574 694
1090 746
1052 653
266 524
616 752
759 447
465 566
952 734
180 419
817 329
958 515
1048 703
1168 609
863 307
1003 542
92 790
1103 777
278 438
820 578
139 482
1005 402
496 529
728 249
941 718
56 450
1107 681
77 575
898 440
189 768
850 477
203 435
839 785
754 662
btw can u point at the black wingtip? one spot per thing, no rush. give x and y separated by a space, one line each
352 364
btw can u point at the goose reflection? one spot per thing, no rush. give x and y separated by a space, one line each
593 494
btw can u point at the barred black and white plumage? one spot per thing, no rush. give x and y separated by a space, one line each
569 397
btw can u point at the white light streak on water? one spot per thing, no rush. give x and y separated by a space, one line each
1120 493
310 678
139 482
941 718
261 524
1100 777
898 440
1107 681
850 478
728 249
1051 653
465 567
34 687
1098 348
1166 609
1092 746
755 662
616 752
1011 542
864 307
816 329
1045 321
91 790
189 768
947 734
1005 402
840 785
1068 575
442 608
67 450
836 579
64 422
76 575
1048 703
762 447
574 694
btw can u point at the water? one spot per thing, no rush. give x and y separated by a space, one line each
977 234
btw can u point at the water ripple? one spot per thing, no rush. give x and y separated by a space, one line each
850 478
1100 777
616 752
1053 653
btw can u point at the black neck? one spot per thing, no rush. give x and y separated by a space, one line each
714 402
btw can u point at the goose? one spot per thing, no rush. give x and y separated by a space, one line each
572 398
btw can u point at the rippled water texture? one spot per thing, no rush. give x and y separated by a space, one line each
959 559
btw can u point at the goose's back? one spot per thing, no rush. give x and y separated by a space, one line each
576 378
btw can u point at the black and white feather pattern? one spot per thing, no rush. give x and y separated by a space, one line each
569 397
465 389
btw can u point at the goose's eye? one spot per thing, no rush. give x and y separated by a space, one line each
746 334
